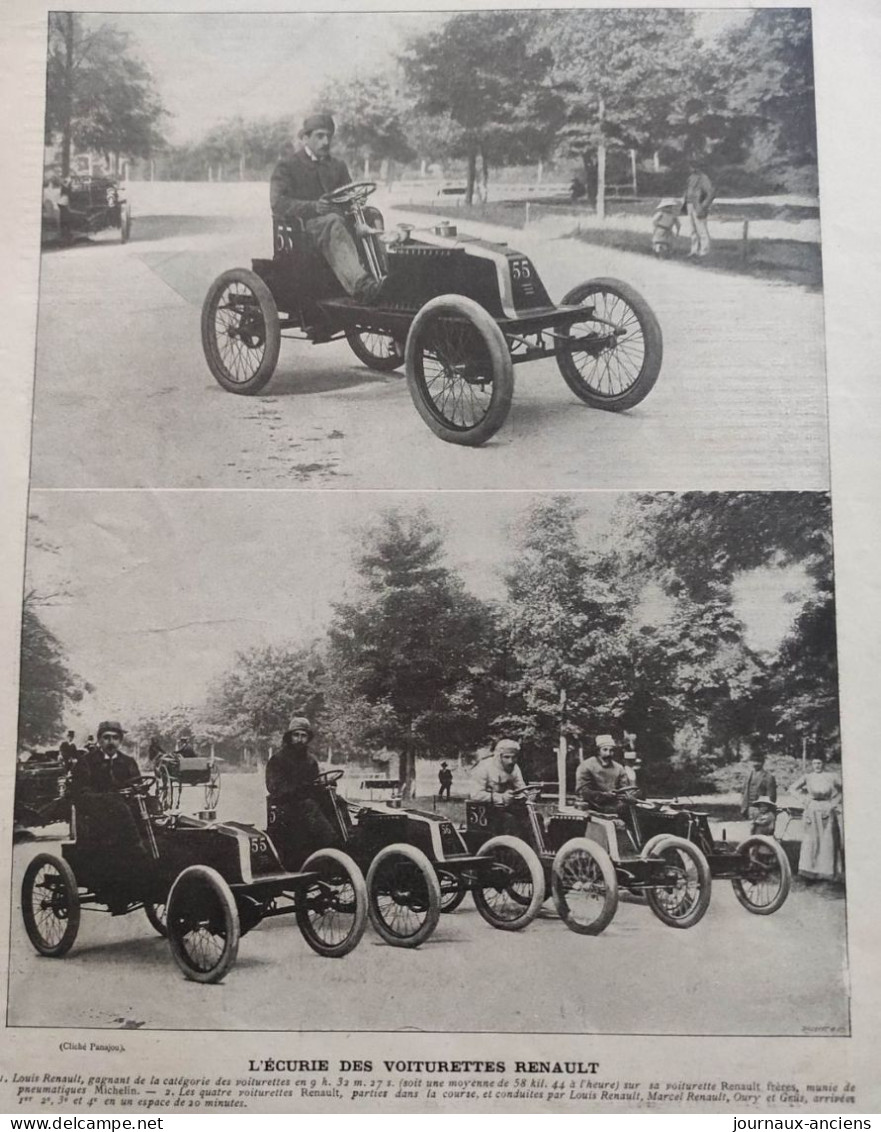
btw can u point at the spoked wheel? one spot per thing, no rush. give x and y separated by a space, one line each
157 914
168 788
50 905
403 895
453 891
240 331
584 886
381 352
514 890
202 924
766 876
212 787
618 356
332 911
682 897
459 370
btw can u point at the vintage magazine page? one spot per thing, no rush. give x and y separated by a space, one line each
380 732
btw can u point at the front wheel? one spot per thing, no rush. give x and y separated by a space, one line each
403 895
611 360
332 909
241 335
50 905
584 886
381 352
202 924
157 914
459 370
679 897
766 876
514 890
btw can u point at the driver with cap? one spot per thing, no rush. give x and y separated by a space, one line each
297 187
496 781
296 821
106 768
599 778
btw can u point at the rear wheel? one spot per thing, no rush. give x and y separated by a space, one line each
168 788
459 370
240 331
332 910
403 895
381 352
50 905
157 915
682 896
514 889
766 876
584 886
202 924
212 787
619 363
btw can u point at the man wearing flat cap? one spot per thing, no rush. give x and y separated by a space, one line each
106 768
296 822
296 189
599 778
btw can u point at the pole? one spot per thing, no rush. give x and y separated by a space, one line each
804 754
633 171
562 752
601 167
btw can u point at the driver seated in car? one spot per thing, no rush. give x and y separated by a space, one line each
599 780
297 187
105 768
498 780
297 824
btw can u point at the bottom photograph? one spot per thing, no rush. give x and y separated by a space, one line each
513 762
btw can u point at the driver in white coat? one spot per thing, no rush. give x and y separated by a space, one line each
497 780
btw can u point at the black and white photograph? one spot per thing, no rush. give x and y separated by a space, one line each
433 628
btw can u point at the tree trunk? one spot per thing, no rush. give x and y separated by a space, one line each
484 178
539 171
601 166
633 171
472 177
67 126
367 168
241 166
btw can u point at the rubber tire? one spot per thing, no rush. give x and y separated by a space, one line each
419 859
785 876
214 881
157 919
53 951
610 879
453 898
359 887
652 848
536 874
371 360
167 787
654 349
268 310
500 356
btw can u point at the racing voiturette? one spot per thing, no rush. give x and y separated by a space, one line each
458 312
202 883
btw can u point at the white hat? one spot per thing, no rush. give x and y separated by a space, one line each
605 741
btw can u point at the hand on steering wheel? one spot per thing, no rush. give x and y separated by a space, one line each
530 793
327 777
348 194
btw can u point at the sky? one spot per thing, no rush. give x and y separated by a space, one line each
163 588
214 66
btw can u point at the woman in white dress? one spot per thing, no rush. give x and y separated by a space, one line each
821 856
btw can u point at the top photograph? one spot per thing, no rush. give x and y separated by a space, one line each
483 250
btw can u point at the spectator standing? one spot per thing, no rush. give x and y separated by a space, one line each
445 780
699 195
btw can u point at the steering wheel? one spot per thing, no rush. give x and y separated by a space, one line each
327 777
530 793
138 785
348 194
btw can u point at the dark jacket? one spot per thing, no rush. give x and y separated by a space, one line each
592 779
758 783
297 182
96 774
290 775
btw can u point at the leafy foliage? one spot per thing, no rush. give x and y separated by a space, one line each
48 686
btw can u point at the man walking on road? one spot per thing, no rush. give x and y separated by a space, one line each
297 189
699 194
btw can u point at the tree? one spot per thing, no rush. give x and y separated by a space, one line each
484 73
265 686
622 75
99 95
409 648
770 73
47 685
371 115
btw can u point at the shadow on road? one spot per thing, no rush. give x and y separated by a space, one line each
291 380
